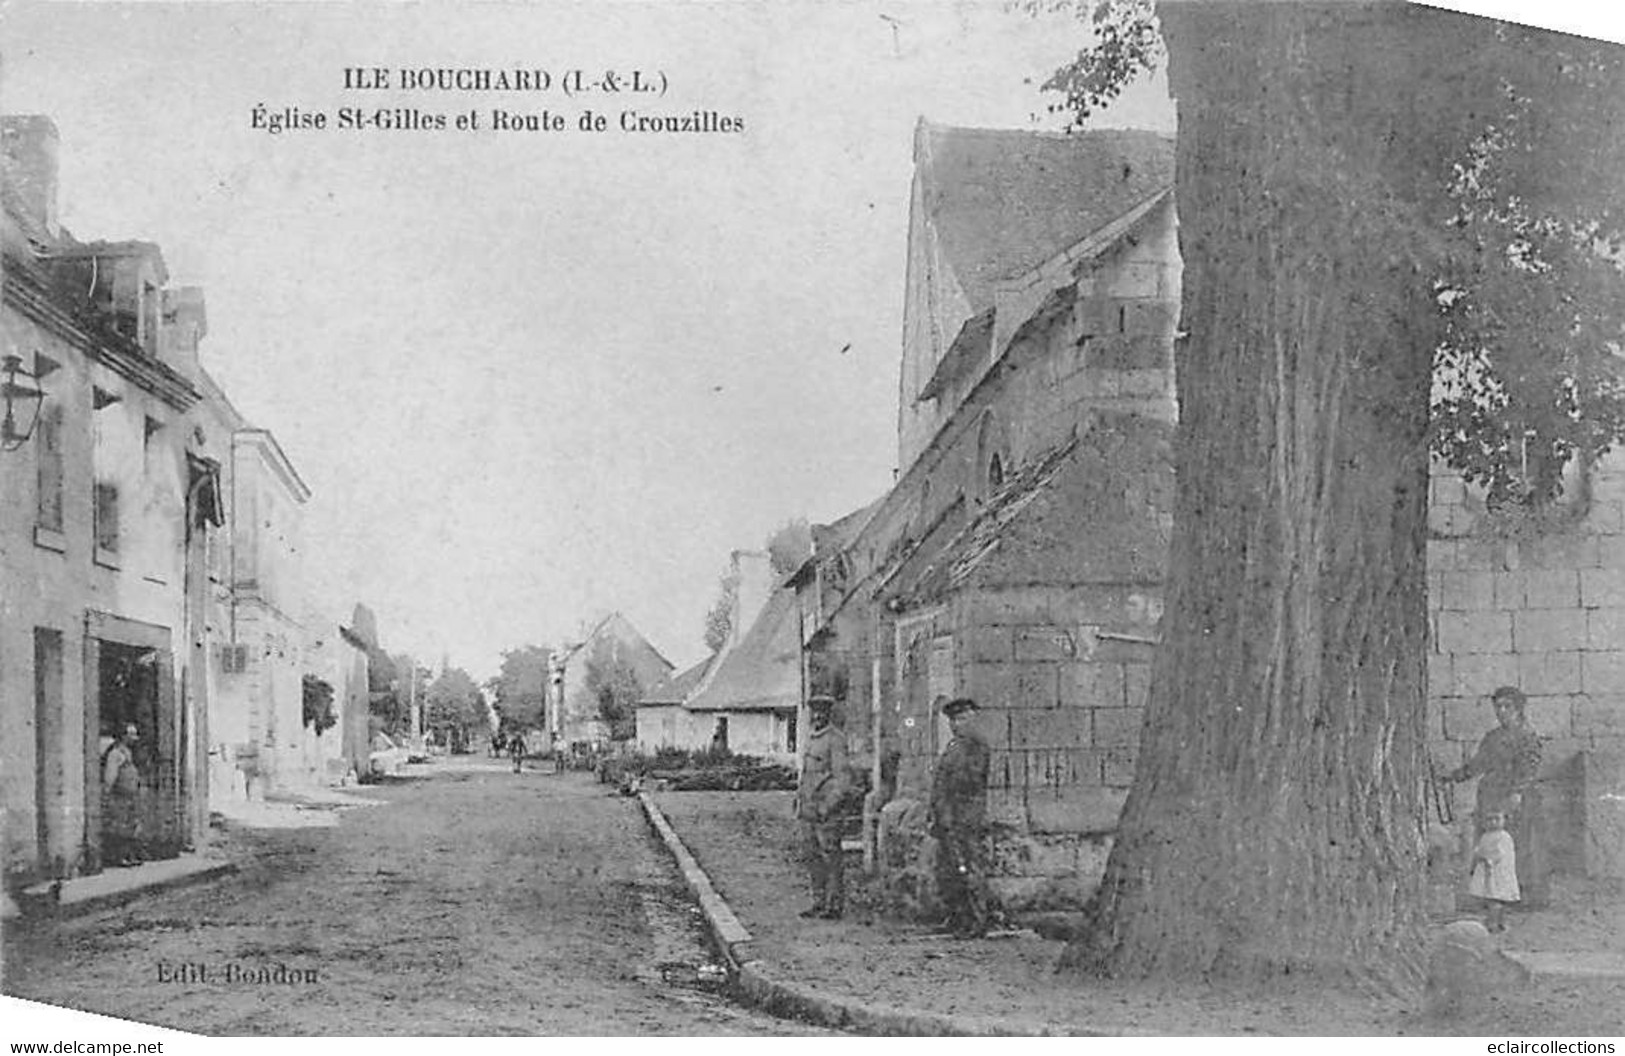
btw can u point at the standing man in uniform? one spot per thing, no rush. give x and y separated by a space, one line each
819 795
959 821
121 796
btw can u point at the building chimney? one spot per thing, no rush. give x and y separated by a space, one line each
755 571
30 155
184 324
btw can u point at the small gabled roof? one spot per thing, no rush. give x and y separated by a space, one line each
675 688
629 630
762 672
1004 200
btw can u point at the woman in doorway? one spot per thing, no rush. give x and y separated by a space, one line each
121 798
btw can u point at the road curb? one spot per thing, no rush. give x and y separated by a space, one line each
1569 964
45 907
761 987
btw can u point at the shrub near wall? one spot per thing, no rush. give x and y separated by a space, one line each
701 770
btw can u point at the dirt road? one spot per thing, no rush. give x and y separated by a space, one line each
470 901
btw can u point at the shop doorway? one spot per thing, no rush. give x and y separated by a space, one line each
130 680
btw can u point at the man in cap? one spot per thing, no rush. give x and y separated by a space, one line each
958 820
819 796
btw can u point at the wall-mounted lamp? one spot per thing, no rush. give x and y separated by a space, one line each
22 402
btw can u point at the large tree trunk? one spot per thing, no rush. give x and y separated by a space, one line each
1275 821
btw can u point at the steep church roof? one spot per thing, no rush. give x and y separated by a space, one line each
1002 201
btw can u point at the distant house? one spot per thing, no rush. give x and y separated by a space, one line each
750 700
256 723
661 719
573 709
338 655
748 696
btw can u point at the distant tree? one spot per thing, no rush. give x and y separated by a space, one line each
454 699
318 704
385 704
395 681
520 687
719 620
789 546
616 686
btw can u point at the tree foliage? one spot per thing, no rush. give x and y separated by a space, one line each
454 699
1125 44
520 687
789 546
1527 378
319 714
384 703
719 618
391 680
615 685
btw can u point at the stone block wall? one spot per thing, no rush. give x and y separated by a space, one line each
1062 675
1537 603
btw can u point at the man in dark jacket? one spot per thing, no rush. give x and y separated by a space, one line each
819 797
959 821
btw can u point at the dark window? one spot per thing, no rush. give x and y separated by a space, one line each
790 732
150 441
106 512
985 443
49 441
49 790
995 472
149 318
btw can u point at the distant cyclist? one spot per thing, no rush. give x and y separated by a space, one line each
516 750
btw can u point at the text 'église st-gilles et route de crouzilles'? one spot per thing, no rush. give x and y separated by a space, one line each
609 100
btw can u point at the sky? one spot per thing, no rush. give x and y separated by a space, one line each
531 377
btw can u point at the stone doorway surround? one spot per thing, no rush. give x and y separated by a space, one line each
165 786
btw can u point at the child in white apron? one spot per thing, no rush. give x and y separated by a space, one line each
1494 876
